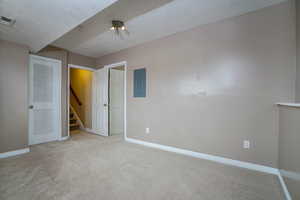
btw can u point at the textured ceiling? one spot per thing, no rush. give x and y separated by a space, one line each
40 22
95 39
43 22
124 10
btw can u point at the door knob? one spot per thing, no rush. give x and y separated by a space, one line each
105 105
31 107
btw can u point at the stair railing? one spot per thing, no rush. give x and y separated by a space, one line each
77 117
75 96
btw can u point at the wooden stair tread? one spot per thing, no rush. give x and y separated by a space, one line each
73 121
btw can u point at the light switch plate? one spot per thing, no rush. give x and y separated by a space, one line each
246 144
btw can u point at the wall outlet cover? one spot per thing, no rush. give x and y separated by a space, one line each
147 130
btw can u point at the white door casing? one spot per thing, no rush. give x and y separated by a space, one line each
68 104
116 101
100 102
44 99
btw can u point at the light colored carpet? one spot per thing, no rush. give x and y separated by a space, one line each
90 167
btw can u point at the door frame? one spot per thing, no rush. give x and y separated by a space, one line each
68 91
59 116
123 63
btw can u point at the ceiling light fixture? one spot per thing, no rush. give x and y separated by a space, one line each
119 28
7 21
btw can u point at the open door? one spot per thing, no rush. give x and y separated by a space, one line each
100 102
116 101
44 100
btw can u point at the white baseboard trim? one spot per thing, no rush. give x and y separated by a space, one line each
218 159
14 153
290 175
284 187
64 138
226 161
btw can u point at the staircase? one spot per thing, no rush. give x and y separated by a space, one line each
74 124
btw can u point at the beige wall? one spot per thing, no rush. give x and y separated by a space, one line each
81 82
212 87
13 96
66 58
289 148
81 60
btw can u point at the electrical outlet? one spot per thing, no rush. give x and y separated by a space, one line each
246 144
147 130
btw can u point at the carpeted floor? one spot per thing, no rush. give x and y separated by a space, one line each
90 167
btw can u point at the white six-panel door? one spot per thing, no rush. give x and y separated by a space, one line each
44 99
100 102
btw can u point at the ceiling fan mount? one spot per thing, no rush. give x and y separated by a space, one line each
119 28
